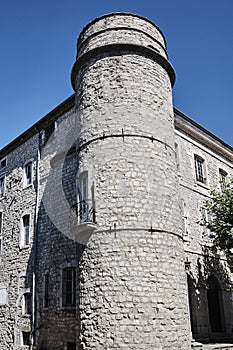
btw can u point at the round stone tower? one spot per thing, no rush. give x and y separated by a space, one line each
133 291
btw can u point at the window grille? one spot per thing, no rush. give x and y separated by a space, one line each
200 169
68 286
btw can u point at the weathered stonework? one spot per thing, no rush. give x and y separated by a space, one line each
145 277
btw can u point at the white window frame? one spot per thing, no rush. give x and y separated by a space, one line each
27 181
23 233
25 346
200 169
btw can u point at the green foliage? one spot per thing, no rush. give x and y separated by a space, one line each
220 218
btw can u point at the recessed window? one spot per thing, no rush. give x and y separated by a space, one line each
222 178
83 197
177 155
2 186
3 163
28 174
25 338
25 230
27 304
49 132
68 286
200 169
46 290
1 218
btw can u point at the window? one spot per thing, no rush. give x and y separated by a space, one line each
28 174
177 156
185 219
222 178
83 197
2 186
25 231
68 286
3 295
27 304
49 132
46 290
25 338
200 169
3 163
1 215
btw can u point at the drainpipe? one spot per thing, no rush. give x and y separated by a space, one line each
33 336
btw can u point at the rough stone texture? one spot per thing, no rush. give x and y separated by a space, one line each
132 290
128 288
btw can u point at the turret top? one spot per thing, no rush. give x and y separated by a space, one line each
121 28
121 33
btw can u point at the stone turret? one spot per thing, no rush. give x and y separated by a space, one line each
133 285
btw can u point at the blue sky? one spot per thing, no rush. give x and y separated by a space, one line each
38 49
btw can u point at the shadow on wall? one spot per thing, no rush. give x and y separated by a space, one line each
210 299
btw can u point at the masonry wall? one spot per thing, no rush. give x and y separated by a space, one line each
16 260
201 263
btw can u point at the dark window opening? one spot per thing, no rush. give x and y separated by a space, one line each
199 169
3 163
26 229
213 296
26 338
68 286
71 346
46 290
28 174
27 303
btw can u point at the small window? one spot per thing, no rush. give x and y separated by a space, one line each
27 304
222 178
3 163
28 174
1 218
3 295
49 132
25 338
25 232
83 197
200 169
46 290
177 155
2 186
68 286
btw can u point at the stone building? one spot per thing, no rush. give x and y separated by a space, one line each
100 245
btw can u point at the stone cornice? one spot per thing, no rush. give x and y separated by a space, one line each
38 126
203 136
